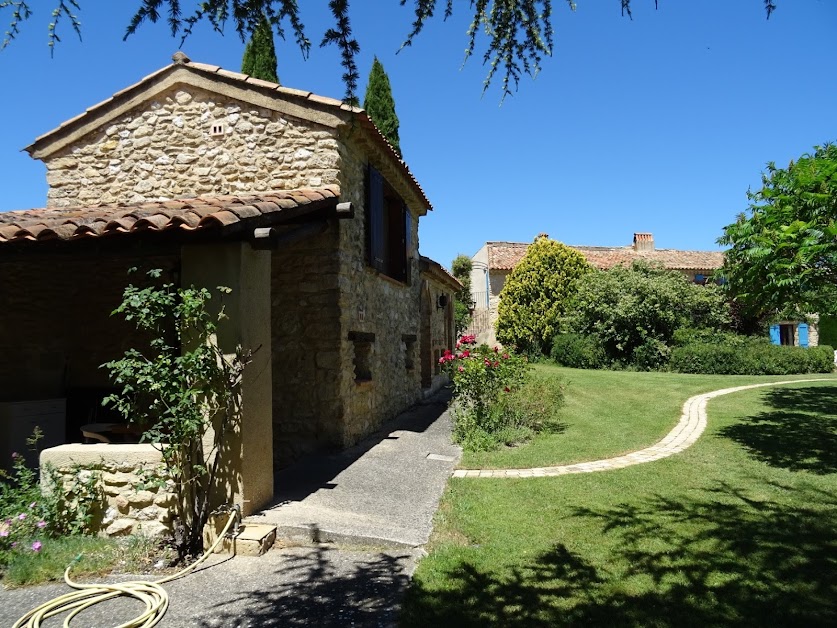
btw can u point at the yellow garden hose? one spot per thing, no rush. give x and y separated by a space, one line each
150 593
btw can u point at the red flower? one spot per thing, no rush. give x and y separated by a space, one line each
466 353
505 356
507 389
461 368
496 349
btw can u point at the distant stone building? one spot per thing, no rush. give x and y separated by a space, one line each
493 263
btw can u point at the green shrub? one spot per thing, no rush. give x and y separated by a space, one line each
536 293
728 354
636 311
497 400
578 351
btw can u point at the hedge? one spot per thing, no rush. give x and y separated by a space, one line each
750 356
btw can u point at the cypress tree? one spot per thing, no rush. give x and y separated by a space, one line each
259 59
380 105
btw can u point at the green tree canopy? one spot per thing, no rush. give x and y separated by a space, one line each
461 269
380 105
259 59
635 311
783 253
535 295
518 33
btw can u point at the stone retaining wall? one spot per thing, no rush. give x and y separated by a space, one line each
134 504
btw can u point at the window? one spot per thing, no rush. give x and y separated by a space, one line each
362 361
388 229
786 335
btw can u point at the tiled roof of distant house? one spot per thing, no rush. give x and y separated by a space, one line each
225 214
506 255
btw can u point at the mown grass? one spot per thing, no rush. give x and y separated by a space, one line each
608 413
740 529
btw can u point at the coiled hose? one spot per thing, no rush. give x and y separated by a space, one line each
150 593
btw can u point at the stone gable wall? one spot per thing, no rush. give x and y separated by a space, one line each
166 149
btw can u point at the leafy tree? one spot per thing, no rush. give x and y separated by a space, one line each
461 269
518 32
634 312
259 59
783 256
535 295
380 105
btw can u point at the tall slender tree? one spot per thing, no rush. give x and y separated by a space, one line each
380 105
259 59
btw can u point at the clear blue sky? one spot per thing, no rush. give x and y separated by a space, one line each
658 124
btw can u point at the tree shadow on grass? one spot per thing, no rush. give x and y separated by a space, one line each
799 433
721 560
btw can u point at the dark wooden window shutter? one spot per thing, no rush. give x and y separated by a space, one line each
375 220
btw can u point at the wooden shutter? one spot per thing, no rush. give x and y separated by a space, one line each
775 336
408 241
375 220
802 330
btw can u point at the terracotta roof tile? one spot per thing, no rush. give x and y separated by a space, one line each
441 273
506 255
201 213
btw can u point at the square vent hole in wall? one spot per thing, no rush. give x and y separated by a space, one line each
362 343
409 341
218 129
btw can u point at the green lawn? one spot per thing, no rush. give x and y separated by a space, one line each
608 413
740 529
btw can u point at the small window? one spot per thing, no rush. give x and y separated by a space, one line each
389 227
786 335
362 361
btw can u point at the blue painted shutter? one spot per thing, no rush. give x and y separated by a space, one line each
699 278
375 220
802 328
775 338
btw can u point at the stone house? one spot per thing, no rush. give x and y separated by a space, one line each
295 201
493 263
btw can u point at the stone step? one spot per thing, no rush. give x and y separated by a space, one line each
251 539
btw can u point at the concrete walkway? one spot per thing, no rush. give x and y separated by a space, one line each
382 493
691 425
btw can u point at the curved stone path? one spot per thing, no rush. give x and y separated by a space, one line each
685 433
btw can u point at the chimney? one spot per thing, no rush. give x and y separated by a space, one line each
643 242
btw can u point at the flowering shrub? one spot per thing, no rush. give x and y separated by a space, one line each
23 512
482 377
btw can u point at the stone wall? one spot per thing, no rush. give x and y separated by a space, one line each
167 148
130 478
371 303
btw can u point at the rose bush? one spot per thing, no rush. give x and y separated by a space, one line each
487 383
